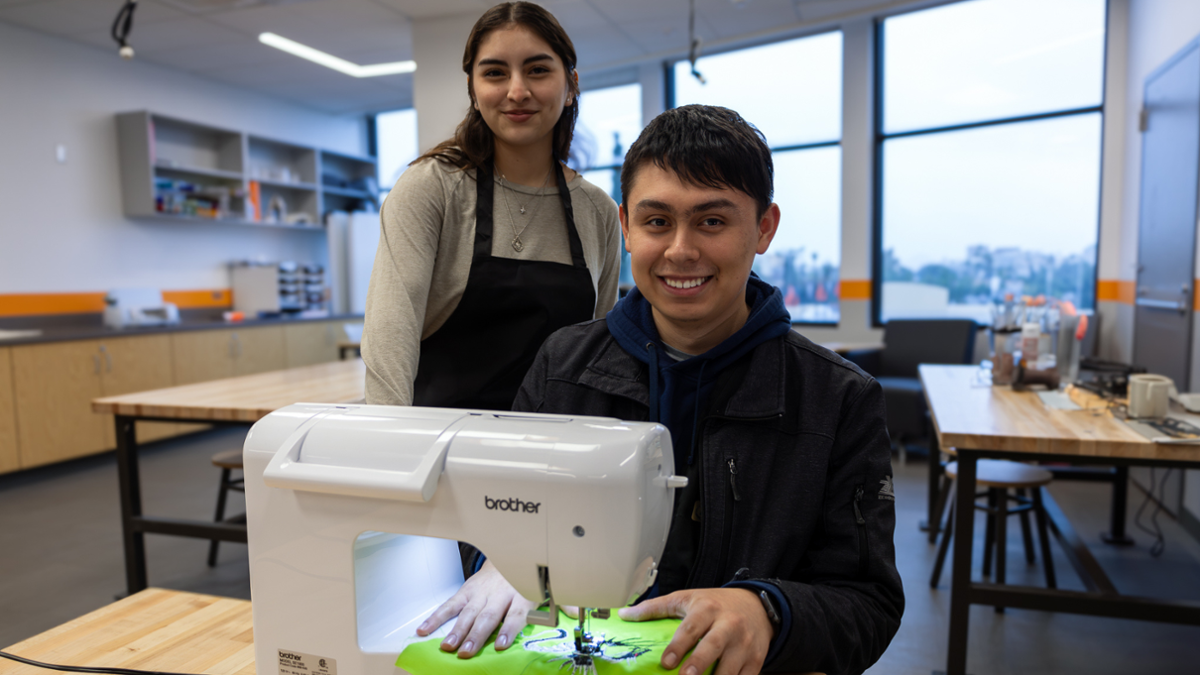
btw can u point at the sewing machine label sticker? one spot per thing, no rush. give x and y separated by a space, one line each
298 663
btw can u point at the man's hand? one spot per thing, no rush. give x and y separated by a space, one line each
481 604
729 624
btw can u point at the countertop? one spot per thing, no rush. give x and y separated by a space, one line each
90 327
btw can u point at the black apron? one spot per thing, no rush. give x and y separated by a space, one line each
479 357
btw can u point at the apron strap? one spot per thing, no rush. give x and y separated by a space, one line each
484 196
564 194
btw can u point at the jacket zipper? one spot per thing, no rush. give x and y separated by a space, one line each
733 478
731 497
862 530
691 582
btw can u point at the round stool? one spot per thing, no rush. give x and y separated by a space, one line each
998 476
227 461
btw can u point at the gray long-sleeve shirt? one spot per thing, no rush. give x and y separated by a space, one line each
424 257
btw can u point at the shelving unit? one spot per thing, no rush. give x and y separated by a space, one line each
182 171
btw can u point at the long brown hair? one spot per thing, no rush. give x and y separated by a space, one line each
473 142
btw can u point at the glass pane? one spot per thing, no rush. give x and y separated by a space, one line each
791 91
971 215
609 121
396 136
804 257
991 59
609 180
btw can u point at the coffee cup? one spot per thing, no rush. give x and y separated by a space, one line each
1149 395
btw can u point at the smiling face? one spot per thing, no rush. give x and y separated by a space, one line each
691 248
520 87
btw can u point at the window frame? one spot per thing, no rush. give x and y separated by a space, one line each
670 103
880 137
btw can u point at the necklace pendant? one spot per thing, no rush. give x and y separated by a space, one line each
522 210
517 245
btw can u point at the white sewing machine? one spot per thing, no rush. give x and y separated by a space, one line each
354 513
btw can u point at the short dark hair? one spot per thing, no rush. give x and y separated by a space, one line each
708 146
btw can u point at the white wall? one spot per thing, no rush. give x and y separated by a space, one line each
61 225
440 85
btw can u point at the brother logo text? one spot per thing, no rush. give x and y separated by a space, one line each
510 504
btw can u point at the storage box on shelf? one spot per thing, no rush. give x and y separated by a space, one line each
178 170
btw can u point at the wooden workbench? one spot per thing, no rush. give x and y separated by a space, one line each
156 629
231 401
984 421
244 399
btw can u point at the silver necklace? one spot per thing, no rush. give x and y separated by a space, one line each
517 244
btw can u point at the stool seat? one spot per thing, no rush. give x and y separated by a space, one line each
1001 473
228 459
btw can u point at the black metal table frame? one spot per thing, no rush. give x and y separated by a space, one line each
1101 597
134 525
1117 475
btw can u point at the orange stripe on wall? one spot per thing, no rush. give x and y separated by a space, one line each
854 289
41 304
220 298
1116 290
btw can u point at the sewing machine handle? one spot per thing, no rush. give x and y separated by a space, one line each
285 471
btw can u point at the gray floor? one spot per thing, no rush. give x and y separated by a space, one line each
61 556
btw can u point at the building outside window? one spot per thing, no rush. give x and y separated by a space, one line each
791 91
610 120
988 148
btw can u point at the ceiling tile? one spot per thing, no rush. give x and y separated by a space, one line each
427 9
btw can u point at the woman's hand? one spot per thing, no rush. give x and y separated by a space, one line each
484 601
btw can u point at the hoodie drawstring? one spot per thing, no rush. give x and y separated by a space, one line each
653 381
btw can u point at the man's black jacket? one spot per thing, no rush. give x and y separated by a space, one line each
811 508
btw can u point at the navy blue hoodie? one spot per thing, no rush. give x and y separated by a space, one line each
678 389
678 393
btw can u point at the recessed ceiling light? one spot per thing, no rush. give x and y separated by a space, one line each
330 61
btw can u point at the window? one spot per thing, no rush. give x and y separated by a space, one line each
791 91
610 119
989 155
396 138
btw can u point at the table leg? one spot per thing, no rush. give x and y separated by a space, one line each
131 503
964 539
1116 530
933 517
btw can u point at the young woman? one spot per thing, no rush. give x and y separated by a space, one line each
489 242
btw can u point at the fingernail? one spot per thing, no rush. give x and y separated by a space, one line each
669 660
467 647
502 642
424 627
691 670
450 640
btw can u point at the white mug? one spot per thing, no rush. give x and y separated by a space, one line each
1149 395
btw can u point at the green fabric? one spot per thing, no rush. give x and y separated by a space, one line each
629 647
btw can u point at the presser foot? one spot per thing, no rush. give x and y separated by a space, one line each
585 648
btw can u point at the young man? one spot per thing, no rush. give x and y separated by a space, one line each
780 551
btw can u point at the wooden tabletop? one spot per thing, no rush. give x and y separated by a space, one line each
156 629
247 398
970 414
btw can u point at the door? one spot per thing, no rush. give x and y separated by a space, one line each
1162 335
55 385
310 343
202 355
9 459
133 364
258 350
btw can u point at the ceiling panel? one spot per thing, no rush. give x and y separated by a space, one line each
219 42
425 9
